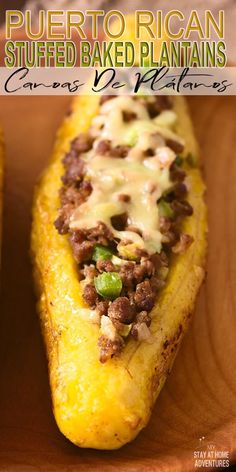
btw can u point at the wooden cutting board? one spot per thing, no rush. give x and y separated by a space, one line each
197 407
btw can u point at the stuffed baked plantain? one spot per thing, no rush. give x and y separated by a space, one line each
118 242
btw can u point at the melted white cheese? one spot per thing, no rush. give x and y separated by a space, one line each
144 179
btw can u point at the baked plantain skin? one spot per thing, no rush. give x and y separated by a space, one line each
2 151
96 405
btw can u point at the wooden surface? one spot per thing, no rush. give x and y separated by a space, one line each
199 398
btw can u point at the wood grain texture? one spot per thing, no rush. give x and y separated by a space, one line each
199 398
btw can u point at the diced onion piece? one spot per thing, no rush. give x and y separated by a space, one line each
165 156
143 331
107 328
167 119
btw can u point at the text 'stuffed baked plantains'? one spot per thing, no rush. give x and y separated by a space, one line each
118 243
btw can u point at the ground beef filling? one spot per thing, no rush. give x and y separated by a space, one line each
124 313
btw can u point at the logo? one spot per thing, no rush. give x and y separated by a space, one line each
210 455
